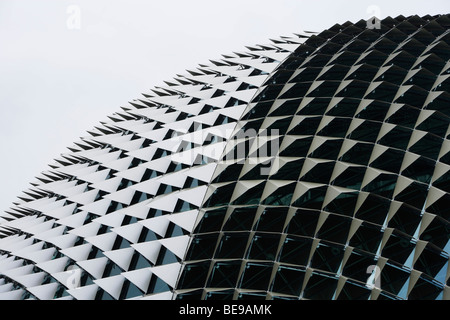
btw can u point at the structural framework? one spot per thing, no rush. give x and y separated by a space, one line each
313 167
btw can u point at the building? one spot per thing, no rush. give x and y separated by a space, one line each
314 167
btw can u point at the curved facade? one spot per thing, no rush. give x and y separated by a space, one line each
315 167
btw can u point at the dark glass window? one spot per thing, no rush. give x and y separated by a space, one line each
194 275
272 219
394 279
232 245
303 223
311 199
367 237
335 228
225 274
202 246
320 287
241 219
367 132
288 280
256 276
212 221
354 291
327 257
264 247
296 250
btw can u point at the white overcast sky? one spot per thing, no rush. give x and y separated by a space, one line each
57 80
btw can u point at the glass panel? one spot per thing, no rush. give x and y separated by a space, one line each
298 148
440 207
437 233
406 219
336 128
374 209
357 264
421 170
308 74
337 72
354 291
251 196
383 185
211 221
312 199
231 173
358 154
394 279
375 58
296 250
157 285
320 287
289 107
335 228
289 171
194 275
327 257
391 160
328 150
343 204
414 195
395 75
351 178
426 289
424 78
398 248
256 276
367 237
282 196
272 220
202 246
367 131
318 60
315 107
259 111
356 89
345 108
288 280
303 223
225 274
431 261
396 138
429 146
308 126
232 245
326 89
440 103
415 97
264 247
405 116
436 124
296 91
